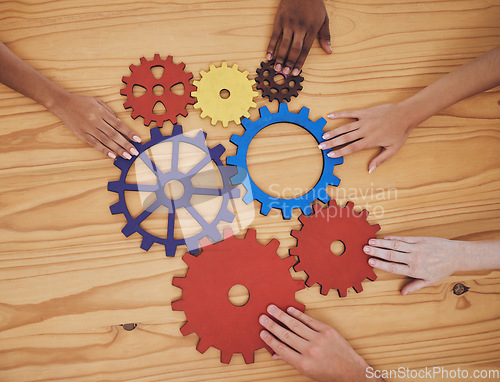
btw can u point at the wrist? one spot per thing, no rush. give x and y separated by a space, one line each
414 111
56 100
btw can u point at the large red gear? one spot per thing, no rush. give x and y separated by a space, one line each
219 323
315 256
143 105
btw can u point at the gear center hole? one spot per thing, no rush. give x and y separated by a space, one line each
337 247
174 189
224 94
158 90
279 79
238 295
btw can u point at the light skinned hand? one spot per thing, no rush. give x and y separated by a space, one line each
426 259
94 122
297 23
386 126
315 349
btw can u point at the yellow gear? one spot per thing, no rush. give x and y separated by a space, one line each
209 98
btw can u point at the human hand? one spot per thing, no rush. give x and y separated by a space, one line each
426 259
94 122
386 126
298 22
315 349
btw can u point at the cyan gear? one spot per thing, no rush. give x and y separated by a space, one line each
208 229
253 191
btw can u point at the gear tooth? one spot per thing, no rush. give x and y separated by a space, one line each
246 73
232 160
177 305
225 357
202 346
375 228
202 74
169 59
304 112
186 329
265 209
212 66
178 282
303 219
342 292
177 130
324 198
283 108
189 259
264 112
224 123
324 291
213 234
248 197
289 261
286 212
310 281
156 134
274 244
132 67
371 275
248 357
319 125
156 57
116 208
298 267
143 60
296 233
236 139
235 66
247 123
182 66
203 114
349 205
306 210
114 186
134 114
237 121
228 215
214 122
358 287
316 208
129 229
251 234
205 242
147 122
126 105
123 91
217 151
146 243
228 233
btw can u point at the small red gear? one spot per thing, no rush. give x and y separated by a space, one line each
271 89
209 313
143 105
315 257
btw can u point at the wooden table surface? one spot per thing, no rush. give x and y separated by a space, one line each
69 279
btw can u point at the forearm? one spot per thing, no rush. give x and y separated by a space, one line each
474 77
478 255
21 77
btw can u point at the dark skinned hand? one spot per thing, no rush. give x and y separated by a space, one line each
297 23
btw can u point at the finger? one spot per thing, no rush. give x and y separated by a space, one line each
346 138
118 138
95 143
398 269
283 351
286 40
294 325
349 149
308 320
308 42
112 145
341 130
115 122
105 106
275 36
344 114
295 50
380 158
395 245
413 286
406 239
387 254
285 335
324 36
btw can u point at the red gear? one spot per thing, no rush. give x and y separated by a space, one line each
218 323
317 260
173 74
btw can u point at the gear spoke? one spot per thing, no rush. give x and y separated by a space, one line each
207 191
196 215
151 164
198 166
147 212
140 187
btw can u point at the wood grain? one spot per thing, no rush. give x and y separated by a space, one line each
68 277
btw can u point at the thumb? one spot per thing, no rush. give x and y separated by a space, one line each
413 286
380 158
324 36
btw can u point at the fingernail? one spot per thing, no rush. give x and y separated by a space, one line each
112 156
326 136
271 309
263 334
321 146
331 115
136 139
295 72
371 169
286 70
133 151
371 262
291 309
277 67
366 249
269 56
127 155
331 154
262 319
372 242
330 46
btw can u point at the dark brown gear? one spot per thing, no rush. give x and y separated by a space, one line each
272 90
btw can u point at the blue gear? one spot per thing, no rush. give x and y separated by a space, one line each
208 229
253 191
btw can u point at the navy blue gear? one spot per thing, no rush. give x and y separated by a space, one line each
253 191
208 229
